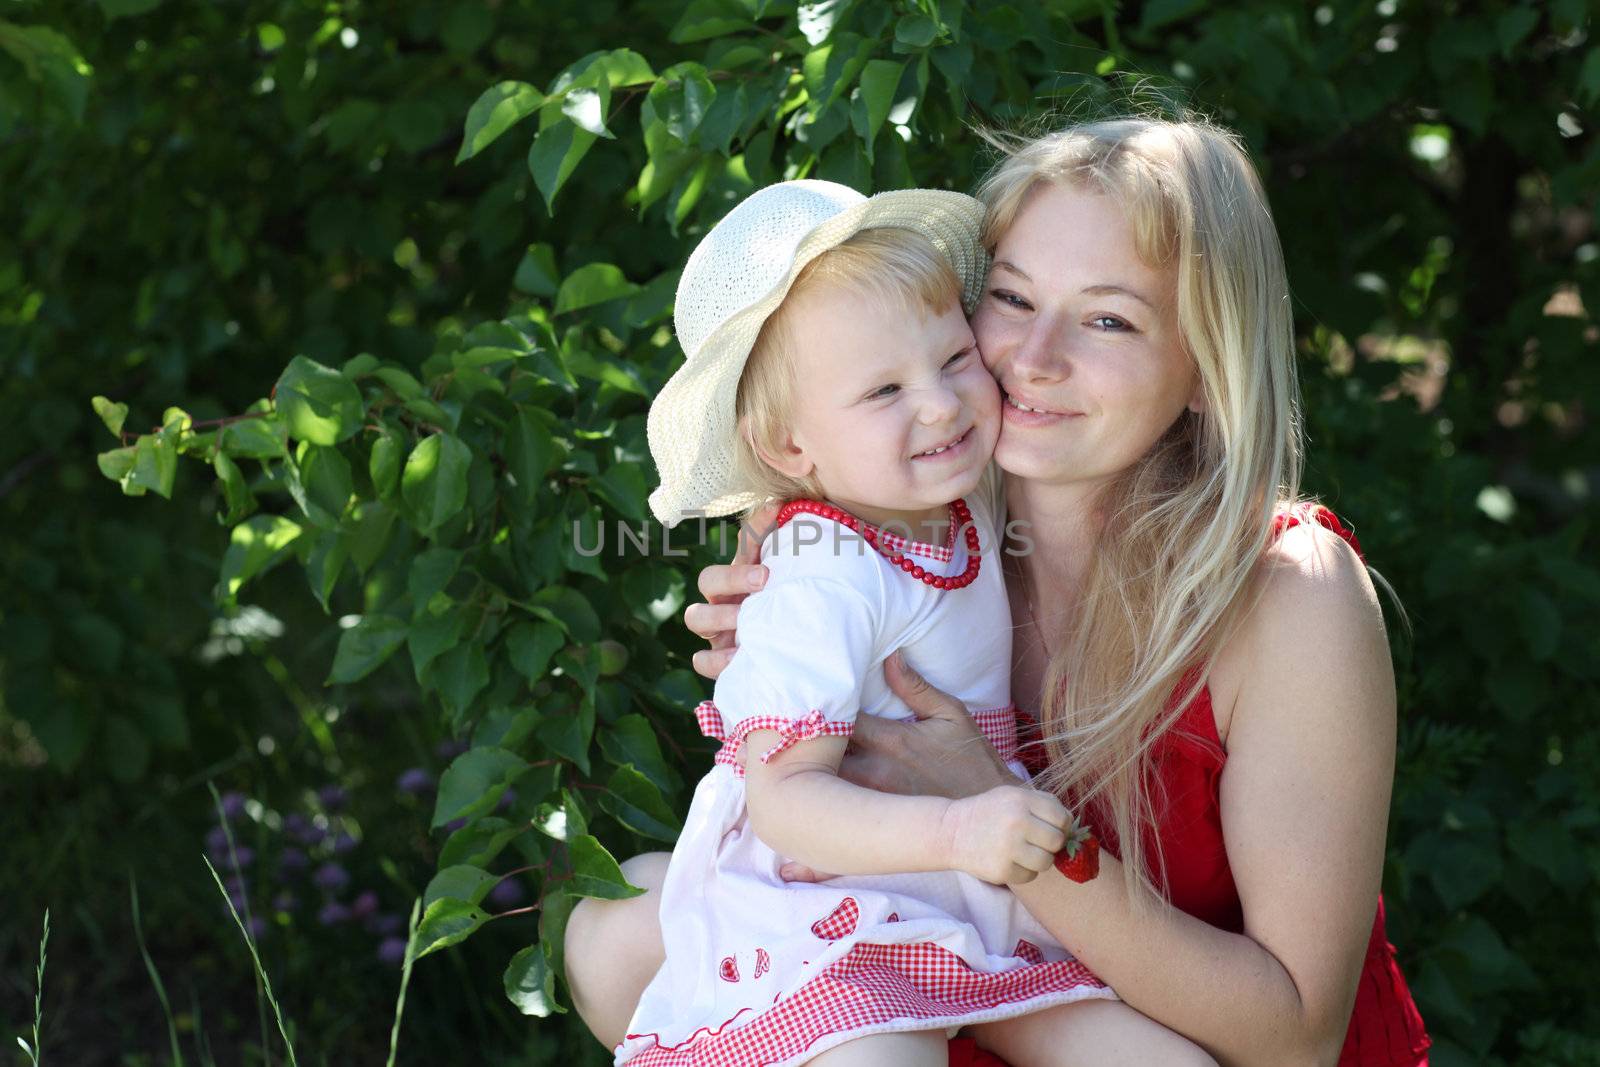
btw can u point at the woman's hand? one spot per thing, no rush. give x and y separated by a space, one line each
941 753
725 585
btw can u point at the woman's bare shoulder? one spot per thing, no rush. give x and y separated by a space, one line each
1312 617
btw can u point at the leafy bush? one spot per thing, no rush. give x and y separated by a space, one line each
463 356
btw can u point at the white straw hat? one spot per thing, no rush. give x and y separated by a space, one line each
736 277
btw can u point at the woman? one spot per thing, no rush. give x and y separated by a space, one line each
1229 723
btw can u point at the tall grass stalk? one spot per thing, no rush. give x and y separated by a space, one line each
36 1053
155 976
255 958
405 978
233 858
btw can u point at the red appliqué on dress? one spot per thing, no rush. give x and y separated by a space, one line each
763 962
728 969
840 922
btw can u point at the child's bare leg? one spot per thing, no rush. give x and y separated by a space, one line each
1089 1033
918 1048
613 949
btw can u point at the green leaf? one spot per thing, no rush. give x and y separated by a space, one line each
880 80
434 484
236 496
531 984
1540 622
460 881
431 572
431 635
113 415
587 108
383 466
1589 77
567 732
52 61
325 482
364 647
255 546
1158 13
572 610
474 782
447 922
530 646
460 674
596 283
632 740
324 564
254 438
1513 25
680 99
155 466
370 524
623 67
479 842
360 365
635 802
116 463
537 273
494 112
595 873
704 19
317 403
467 27
530 451
556 153
126 749
915 31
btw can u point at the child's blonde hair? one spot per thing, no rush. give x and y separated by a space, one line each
897 268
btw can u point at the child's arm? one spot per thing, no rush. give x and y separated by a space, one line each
802 810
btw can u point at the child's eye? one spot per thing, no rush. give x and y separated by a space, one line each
957 358
883 391
1009 299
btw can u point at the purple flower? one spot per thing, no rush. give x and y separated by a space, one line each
343 845
258 927
508 798
285 901
330 878
454 824
333 913
232 805
237 897
508 893
415 781
364 905
332 797
450 748
392 951
296 826
292 860
386 924
243 856
216 842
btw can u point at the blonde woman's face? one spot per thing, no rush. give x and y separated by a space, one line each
1075 326
877 390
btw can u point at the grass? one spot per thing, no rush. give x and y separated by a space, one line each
36 1051
155 975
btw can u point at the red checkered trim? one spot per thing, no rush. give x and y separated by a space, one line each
1027 950
999 726
892 541
873 989
840 922
807 727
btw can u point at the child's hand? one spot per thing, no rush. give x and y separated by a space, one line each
1006 835
725 585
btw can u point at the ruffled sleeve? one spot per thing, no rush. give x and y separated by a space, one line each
805 645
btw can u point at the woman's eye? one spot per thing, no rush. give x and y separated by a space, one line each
1008 299
1109 323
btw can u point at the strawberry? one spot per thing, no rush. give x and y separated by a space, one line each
1079 860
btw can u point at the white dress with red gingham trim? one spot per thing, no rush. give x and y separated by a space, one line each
763 971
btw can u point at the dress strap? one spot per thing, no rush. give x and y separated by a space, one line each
1306 512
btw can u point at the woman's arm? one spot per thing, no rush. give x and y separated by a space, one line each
1304 795
801 809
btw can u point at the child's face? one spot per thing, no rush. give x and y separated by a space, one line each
876 390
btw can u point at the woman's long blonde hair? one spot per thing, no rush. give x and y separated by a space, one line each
1185 527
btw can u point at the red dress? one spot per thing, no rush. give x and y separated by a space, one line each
1385 1028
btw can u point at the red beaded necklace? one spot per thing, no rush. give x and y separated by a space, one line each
959 514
